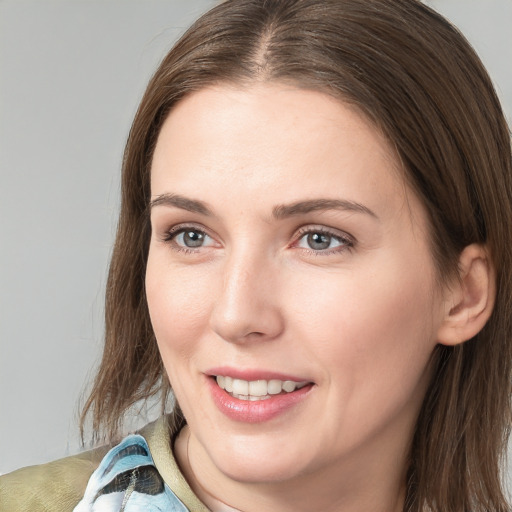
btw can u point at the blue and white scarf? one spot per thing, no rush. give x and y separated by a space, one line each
127 481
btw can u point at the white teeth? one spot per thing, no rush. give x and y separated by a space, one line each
228 384
289 386
240 387
274 387
257 389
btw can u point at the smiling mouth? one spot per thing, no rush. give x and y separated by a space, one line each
256 390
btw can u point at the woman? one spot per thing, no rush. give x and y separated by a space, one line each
314 253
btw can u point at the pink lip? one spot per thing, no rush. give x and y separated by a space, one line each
250 374
258 411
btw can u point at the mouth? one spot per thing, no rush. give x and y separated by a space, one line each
255 396
256 390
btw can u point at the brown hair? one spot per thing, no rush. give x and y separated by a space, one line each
417 78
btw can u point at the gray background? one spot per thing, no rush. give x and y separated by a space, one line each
71 75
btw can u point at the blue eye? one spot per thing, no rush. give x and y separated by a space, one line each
189 238
319 241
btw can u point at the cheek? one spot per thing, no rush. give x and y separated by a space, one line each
179 301
372 331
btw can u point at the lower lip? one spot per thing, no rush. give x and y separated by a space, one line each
255 411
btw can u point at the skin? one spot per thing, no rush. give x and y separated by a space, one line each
359 320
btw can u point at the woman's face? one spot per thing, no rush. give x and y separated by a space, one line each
289 259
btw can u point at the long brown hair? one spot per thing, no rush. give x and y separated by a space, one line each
416 77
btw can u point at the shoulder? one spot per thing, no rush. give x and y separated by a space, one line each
53 487
141 469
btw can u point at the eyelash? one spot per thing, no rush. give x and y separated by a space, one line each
170 237
347 242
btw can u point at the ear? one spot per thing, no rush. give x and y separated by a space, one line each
470 299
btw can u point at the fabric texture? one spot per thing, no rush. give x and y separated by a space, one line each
138 474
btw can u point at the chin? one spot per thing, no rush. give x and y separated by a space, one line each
258 464
262 471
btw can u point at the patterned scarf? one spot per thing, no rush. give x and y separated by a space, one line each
128 481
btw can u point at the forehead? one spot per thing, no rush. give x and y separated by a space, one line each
230 133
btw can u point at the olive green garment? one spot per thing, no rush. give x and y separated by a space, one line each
58 486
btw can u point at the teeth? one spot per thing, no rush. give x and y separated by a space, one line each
228 384
289 386
275 387
240 387
257 389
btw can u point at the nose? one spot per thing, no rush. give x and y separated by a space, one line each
247 306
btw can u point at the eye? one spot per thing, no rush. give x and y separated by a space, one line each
323 241
189 237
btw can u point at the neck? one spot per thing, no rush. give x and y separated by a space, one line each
373 481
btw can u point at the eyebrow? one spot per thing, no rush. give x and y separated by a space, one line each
191 205
278 212
302 207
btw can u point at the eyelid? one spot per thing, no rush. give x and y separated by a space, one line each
348 240
320 228
170 234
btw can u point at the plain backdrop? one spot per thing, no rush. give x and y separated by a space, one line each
71 75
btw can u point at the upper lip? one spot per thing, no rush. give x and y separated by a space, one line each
250 374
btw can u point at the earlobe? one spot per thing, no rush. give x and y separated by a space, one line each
470 301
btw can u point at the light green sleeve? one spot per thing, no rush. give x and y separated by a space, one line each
54 487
